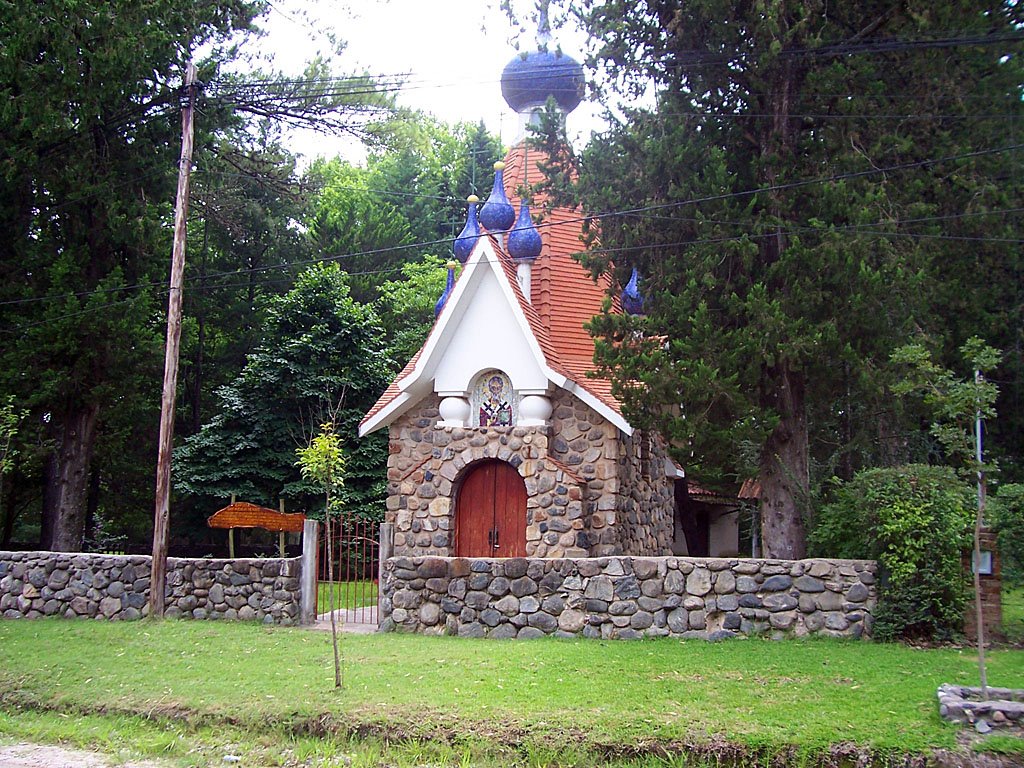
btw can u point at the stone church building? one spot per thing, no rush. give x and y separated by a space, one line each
502 442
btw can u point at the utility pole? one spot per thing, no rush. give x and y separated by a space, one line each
158 577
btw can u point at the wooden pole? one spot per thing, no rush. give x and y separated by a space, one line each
158 577
280 534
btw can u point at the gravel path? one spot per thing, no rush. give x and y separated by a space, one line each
37 756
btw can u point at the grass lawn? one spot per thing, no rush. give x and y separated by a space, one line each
347 594
1013 614
179 682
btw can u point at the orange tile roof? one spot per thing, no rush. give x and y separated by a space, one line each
565 294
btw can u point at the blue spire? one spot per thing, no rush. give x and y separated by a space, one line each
466 240
497 214
632 301
449 286
524 241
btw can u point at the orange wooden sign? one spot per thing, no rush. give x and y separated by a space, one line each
242 514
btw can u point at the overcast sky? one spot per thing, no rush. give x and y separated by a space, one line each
453 51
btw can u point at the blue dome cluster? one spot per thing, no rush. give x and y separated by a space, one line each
529 79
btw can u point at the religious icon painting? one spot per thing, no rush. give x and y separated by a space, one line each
493 399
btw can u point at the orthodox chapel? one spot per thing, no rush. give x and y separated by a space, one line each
502 443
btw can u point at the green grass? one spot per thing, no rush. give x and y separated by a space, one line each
542 702
1013 614
348 594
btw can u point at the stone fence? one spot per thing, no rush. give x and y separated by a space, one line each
100 586
628 597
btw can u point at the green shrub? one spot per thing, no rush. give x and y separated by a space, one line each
1007 516
915 521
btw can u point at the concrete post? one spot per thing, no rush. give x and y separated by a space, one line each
307 606
385 552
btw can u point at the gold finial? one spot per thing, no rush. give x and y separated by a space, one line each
472 199
499 166
452 264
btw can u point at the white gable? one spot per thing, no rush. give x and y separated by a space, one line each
489 336
482 326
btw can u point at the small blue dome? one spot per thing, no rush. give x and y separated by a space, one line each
497 214
466 240
632 301
448 288
530 78
524 241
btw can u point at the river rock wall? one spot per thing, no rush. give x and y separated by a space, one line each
116 587
628 597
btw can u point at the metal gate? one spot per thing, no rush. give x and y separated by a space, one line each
354 546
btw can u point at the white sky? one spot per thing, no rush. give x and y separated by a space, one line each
453 51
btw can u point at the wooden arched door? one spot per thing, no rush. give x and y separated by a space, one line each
490 512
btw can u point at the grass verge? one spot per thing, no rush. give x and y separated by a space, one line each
544 702
347 594
1013 614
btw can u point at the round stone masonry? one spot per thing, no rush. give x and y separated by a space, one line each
116 587
627 597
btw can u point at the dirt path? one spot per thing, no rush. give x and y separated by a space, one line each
37 756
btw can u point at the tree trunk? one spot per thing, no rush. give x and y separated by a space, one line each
784 475
67 478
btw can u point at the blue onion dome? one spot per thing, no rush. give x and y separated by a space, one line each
530 78
466 240
524 242
632 301
497 214
448 288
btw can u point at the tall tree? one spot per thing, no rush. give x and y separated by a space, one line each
88 153
319 348
788 218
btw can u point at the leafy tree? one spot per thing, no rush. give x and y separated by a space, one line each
89 141
319 347
914 520
406 306
790 223
323 463
1008 519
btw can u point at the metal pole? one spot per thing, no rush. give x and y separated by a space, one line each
976 564
158 577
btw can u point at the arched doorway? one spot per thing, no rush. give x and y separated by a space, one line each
490 512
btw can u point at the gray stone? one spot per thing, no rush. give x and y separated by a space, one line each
641 620
490 617
732 621
499 586
746 584
829 601
508 605
529 604
725 582
477 600
777 583
726 603
571 621
600 588
503 632
858 593
780 602
719 635
699 582
809 584
678 620
543 621
472 629
675 583
553 604
430 614
529 633
627 588
523 586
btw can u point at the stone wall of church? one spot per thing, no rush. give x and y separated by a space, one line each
572 469
646 506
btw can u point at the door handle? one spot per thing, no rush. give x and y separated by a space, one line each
495 533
